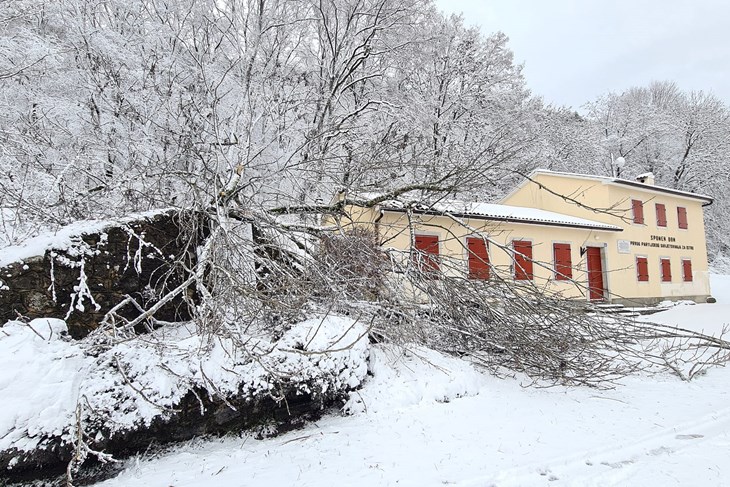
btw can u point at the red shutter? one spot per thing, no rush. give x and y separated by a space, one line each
427 253
661 215
666 270
638 208
563 262
682 217
523 259
478 259
687 270
642 269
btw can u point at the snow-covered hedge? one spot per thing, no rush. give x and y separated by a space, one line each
45 377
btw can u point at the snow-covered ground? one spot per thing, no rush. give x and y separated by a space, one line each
424 419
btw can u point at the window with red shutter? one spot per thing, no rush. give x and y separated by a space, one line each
642 269
478 258
563 261
682 217
523 259
666 268
687 270
426 256
661 215
638 208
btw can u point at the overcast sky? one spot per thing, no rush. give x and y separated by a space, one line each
576 50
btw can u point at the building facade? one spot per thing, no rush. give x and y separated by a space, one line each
586 237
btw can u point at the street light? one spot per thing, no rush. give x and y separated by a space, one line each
616 165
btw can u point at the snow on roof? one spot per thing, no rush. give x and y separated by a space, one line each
613 180
492 211
64 237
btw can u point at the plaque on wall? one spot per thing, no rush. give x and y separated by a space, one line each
624 247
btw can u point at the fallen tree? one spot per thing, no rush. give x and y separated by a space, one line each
89 399
252 115
265 344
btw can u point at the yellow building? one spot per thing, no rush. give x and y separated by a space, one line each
587 237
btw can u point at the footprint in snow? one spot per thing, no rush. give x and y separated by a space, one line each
551 477
661 450
620 464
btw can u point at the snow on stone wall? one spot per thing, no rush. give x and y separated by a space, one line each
82 271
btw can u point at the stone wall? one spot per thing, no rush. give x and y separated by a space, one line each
143 259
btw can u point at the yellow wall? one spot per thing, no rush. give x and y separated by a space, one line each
597 200
395 231
648 240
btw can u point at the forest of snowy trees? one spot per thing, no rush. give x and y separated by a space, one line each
119 106
255 113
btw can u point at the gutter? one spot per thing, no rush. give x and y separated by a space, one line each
377 220
380 217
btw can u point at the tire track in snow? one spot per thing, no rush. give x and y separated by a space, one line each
608 465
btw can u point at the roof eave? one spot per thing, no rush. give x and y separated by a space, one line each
612 180
662 189
608 228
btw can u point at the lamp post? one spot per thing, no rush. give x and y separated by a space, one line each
616 165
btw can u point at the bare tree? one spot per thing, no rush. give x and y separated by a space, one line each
676 135
255 113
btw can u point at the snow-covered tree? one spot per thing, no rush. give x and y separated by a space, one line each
679 136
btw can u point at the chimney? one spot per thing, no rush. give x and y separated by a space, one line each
646 178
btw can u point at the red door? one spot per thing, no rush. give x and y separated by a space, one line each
595 274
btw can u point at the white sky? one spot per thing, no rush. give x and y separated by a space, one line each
576 50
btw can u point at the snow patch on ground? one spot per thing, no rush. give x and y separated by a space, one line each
404 377
706 318
40 378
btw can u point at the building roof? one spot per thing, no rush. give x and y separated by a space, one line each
497 212
619 181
